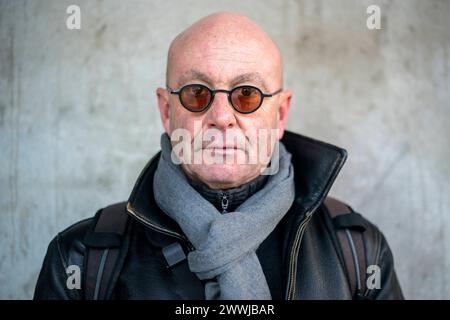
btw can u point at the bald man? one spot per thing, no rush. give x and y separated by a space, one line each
233 206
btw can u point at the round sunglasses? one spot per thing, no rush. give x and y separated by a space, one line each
244 99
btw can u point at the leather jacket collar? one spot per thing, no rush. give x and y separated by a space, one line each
316 165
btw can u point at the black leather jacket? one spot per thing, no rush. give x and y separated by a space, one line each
300 258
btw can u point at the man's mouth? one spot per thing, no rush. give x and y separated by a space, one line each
226 149
223 147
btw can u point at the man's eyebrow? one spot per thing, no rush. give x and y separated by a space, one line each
193 74
253 77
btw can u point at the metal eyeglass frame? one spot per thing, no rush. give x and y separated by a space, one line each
228 92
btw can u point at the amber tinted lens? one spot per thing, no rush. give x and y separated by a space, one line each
246 99
195 97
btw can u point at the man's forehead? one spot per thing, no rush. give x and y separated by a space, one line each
224 50
194 74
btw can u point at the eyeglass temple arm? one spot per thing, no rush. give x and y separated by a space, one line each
272 94
171 91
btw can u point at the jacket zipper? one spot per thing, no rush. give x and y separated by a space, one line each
155 227
294 256
224 202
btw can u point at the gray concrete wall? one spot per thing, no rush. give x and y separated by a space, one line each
78 115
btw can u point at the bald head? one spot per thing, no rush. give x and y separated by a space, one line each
224 45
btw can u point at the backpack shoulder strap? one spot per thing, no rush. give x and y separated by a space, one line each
177 262
349 227
106 249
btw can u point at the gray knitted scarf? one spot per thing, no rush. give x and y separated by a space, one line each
225 244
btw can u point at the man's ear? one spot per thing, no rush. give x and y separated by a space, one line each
283 111
163 105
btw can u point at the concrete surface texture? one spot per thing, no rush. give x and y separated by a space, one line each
78 115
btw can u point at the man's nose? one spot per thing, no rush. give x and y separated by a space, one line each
220 114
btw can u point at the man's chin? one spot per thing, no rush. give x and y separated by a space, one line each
229 175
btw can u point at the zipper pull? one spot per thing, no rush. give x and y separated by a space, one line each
224 203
